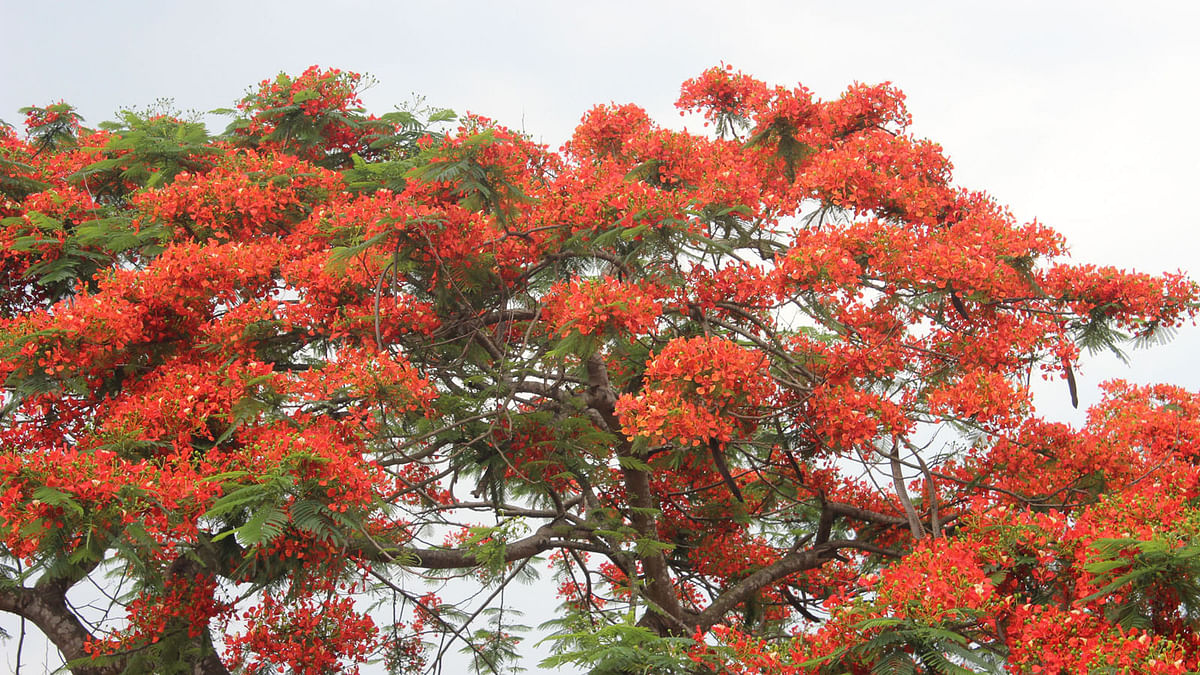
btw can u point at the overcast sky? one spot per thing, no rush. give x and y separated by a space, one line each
1079 114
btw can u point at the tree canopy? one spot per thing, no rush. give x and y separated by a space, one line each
751 400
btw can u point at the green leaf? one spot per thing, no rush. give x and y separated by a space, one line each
633 463
238 498
264 526
224 476
314 517
645 547
57 498
305 95
895 664
879 622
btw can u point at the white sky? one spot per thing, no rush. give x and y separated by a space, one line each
1076 113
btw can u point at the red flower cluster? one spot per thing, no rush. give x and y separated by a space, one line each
305 636
602 306
697 389
774 380
317 100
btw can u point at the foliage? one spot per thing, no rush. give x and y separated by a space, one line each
761 397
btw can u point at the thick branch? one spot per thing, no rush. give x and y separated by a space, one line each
659 589
797 561
547 537
47 609
436 559
867 515
914 521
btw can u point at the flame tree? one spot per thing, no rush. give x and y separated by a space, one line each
757 399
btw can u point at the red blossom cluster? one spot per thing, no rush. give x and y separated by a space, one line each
698 389
322 101
303 636
763 390
596 306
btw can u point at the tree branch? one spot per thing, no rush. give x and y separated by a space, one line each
914 521
791 563
47 609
